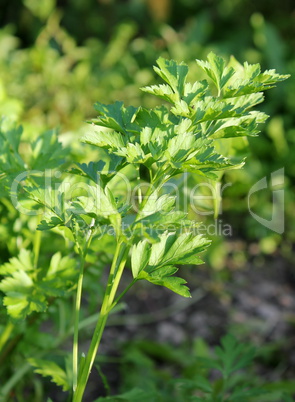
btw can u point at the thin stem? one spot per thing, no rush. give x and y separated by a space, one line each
123 293
150 174
113 268
219 91
89 235
139 192
216 199
76 322
78 303
37 244
118 275
115 274
6 334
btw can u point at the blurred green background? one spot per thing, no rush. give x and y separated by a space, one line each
57 58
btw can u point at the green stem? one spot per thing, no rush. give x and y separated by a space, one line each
121 264
6 334
76 322
216 199
139 192
37 244
78 303
123 293
116 271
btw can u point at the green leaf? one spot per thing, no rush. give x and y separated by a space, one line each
181 147
238 127
48 368
57 211
105 139
153 118
174 74
139 257
100 171
181 108
52 197
22 298
207 160
216 70
116 117
47 151
27 288
213 109
162 91
11 163
135 394
154 203
163 221
162 277
13 137
270 77
158 212
97 203
60 277
154 142
242 103
196 91
24 262
175 248
248 79
233 355
50 222
133 153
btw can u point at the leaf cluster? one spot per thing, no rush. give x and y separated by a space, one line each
181 137
28 288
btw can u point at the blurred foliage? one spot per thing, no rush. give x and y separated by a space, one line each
58 57
195 373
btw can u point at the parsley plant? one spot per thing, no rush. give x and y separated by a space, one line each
155 145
